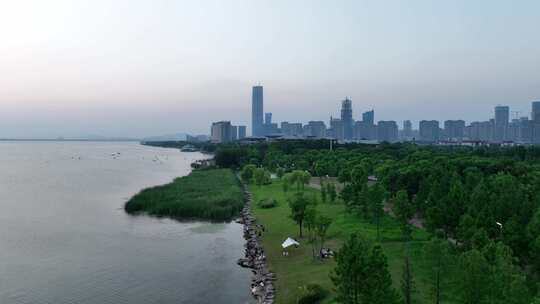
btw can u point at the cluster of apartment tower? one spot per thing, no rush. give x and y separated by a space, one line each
500 129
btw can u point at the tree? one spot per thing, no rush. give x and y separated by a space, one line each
404 211
332 192
285 184
310 221
379 281
361 200
473 279
347 194
247 173
359 176
466 229
261 176
375 200
280 172
407 281
352 271
298 178
506 282
322 225
298 206
324 193
438 259
535 254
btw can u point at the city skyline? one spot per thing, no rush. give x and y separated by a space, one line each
500 128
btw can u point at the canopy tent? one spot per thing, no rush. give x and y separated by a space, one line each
289 242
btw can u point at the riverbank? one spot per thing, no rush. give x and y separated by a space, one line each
262 283
213 195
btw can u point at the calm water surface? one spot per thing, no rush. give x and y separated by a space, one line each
65 238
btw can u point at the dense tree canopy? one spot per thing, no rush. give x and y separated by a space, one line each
473 197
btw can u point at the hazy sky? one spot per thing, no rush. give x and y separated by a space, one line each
139 68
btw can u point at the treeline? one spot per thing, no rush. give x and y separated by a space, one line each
484 201
204 194
203 146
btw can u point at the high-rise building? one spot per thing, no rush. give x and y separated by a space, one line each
369 117
407 129
336 128
535 122
364 131
347 118
387 131
269 127
268 118
292 129
241 132
454 130
535 113
257 110
481 130
514 128
221 132
317 129
429 130
502 116
525 130
234 133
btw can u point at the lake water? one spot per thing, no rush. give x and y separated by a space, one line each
65 238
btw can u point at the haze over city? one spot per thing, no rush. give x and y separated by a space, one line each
140 68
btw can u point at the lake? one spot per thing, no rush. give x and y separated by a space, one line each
65 238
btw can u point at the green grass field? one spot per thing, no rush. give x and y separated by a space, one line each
299 268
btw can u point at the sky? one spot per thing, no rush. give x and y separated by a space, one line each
139 68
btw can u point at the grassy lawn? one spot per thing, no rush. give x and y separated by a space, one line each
299 268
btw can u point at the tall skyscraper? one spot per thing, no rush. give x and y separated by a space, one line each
502 117
346 118
369 117
257 110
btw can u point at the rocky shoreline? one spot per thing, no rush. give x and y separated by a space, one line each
262 283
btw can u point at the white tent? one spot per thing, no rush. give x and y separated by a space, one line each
289 242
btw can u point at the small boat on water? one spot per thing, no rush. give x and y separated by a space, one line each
189 148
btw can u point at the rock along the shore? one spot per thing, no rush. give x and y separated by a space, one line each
262 282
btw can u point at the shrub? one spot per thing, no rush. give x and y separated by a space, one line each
311 294
267 203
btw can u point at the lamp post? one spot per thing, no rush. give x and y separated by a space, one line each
500 229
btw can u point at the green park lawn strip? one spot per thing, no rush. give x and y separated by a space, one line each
300 268
213 195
